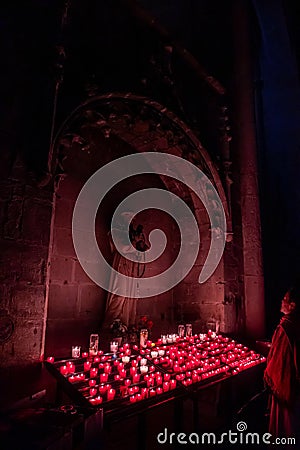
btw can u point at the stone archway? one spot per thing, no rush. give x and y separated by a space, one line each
97 131
142 123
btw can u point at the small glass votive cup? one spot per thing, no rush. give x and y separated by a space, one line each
181 330
143 338
114 346
188 330
76 351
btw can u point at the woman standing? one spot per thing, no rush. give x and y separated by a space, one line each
282 372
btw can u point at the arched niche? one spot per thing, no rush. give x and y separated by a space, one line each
97 132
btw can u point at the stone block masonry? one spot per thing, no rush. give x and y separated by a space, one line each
25 216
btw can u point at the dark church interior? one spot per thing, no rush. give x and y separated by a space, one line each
215 86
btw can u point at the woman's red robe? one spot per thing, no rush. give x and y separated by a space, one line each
282 377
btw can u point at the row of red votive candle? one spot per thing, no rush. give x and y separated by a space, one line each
196 376
135 393
246 363
110 393
68 368
150 393
135 378
157 379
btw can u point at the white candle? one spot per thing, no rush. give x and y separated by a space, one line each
125 359
161 352
170 339
144 369
164 339
143 362
154 354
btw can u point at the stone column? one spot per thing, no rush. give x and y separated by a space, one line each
245 168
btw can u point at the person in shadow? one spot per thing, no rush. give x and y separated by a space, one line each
282 374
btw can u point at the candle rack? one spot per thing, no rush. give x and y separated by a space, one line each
135 376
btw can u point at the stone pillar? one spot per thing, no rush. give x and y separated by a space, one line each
245 168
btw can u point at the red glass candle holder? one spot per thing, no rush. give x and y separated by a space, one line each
63 370
71 368
102 389
103 377
136 378
173 384
93 372
86 366
166 386
111 394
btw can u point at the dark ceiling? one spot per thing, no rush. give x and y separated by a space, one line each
108 46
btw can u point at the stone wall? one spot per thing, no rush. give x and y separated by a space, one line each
75 303
25 216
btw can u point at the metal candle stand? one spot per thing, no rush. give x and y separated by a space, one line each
188 365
